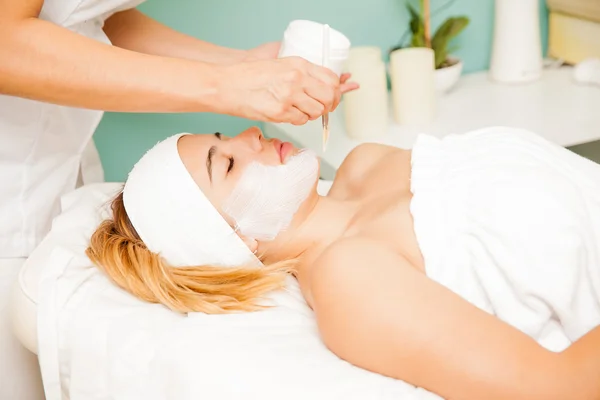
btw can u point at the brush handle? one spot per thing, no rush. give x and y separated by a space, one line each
325 46
325 63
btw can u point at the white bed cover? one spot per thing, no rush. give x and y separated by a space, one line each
97 342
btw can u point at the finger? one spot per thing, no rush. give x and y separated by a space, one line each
325 75
296 117
343 78
309 105
336 100
348 87
321 93
288 114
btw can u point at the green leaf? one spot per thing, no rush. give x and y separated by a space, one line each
415 19
440 57
447 31
417 41
417 27
459 24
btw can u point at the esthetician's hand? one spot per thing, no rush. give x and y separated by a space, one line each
289 89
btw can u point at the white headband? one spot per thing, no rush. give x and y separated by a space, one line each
174 218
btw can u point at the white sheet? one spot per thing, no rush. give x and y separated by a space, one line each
511 223
97 342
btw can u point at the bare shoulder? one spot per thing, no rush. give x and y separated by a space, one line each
352 255
359 162
363 157
347 264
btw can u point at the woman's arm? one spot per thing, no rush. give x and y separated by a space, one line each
379 313
133 30
586 353
42 61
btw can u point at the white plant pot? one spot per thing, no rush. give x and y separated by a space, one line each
446 78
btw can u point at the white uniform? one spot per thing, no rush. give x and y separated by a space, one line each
45 151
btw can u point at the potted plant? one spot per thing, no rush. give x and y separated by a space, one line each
448 67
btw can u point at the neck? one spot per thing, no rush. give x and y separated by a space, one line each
316 226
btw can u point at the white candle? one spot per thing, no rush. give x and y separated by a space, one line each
363 54
413 85
366 109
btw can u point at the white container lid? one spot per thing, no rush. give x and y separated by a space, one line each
308 36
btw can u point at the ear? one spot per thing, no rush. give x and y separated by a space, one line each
251 243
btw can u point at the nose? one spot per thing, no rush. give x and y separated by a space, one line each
253 137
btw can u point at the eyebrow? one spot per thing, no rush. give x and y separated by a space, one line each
211 153
209 157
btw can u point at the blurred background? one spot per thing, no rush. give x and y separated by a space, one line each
122 138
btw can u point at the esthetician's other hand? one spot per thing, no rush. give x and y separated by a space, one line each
267 51
289 89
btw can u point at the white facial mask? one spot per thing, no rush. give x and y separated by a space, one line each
266 198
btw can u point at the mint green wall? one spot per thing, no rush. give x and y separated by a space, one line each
122 138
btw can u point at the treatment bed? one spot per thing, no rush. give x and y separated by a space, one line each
95 341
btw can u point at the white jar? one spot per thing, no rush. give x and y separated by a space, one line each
304 39
366 110
517 45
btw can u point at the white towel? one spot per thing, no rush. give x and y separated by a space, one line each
511 223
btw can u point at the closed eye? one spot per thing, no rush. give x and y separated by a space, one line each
231 162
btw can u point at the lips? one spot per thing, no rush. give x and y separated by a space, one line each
285 149
282 149
278 147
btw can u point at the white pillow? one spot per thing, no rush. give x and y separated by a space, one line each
98 342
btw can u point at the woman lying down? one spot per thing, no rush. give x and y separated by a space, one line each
469 266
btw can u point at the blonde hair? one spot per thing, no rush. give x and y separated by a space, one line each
116 248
